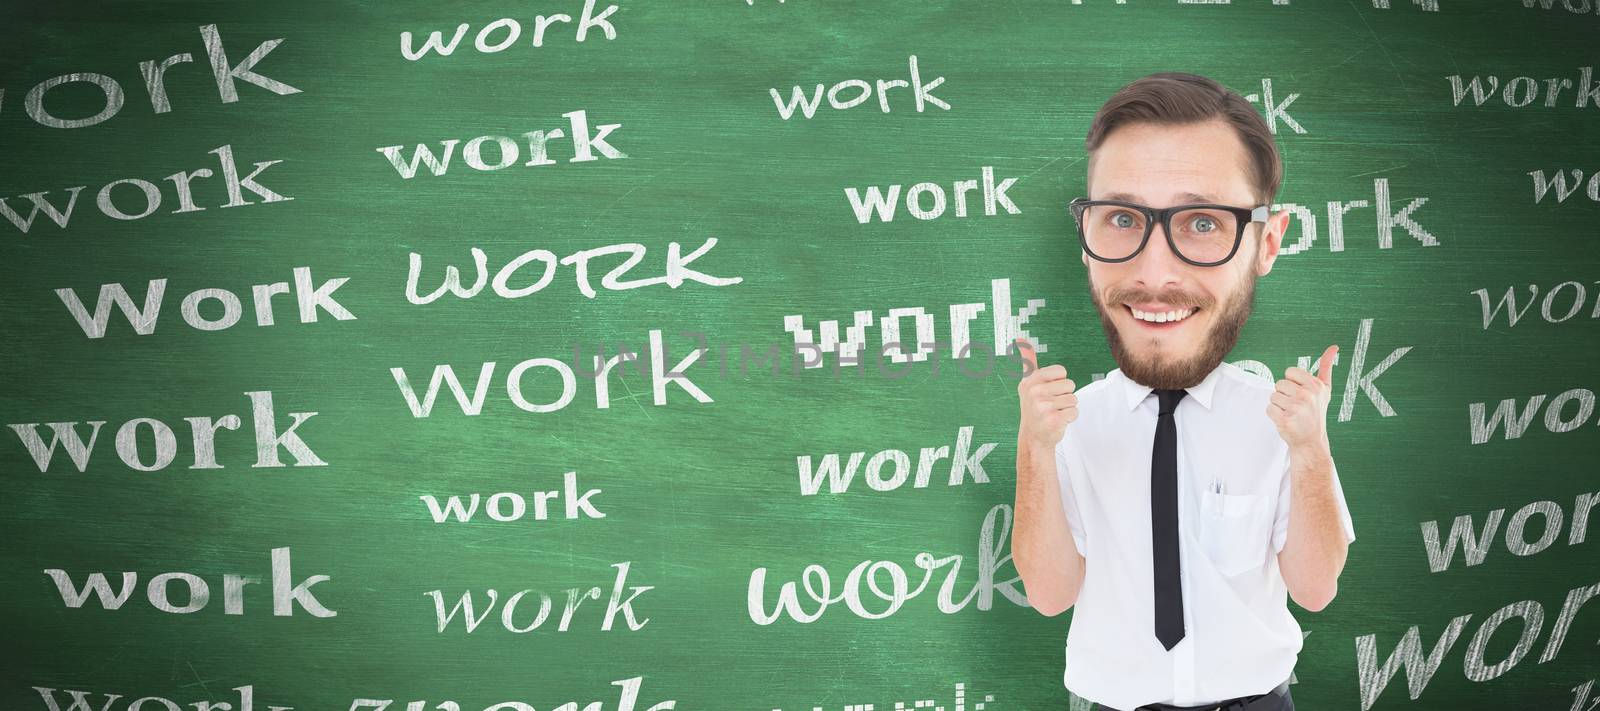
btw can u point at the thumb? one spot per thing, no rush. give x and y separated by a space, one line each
1030 359
1325 368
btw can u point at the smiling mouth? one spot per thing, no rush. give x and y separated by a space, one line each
1160 325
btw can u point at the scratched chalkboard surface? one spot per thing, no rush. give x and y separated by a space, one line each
302 300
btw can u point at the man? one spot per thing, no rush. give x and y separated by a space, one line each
1177 501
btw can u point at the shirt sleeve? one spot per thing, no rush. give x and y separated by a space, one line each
1066 464
1280 528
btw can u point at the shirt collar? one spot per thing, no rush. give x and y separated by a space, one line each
1201 393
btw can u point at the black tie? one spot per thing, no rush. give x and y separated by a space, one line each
1164 522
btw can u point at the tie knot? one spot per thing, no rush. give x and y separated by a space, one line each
1169 399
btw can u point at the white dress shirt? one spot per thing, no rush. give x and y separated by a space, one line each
1240 638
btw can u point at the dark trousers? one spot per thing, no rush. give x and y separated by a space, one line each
1277 699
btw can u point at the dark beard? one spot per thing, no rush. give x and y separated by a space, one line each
1165 373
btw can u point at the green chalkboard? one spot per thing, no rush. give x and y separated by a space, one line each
272 424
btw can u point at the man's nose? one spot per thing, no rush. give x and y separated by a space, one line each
1157 260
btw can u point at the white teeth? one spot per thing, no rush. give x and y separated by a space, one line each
1159 317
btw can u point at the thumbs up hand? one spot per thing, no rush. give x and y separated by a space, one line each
1299 407
1049 401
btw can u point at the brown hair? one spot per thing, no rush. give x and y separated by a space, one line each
1181 97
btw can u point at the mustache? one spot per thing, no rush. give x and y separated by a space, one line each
1176 299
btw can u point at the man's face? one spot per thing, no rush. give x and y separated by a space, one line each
1155 165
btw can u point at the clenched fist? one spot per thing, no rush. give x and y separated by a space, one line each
1299 405
1048 400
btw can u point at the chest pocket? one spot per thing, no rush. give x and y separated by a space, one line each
1235 530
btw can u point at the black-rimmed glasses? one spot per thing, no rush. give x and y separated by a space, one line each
1206 235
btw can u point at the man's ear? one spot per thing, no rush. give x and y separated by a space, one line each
1272 235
